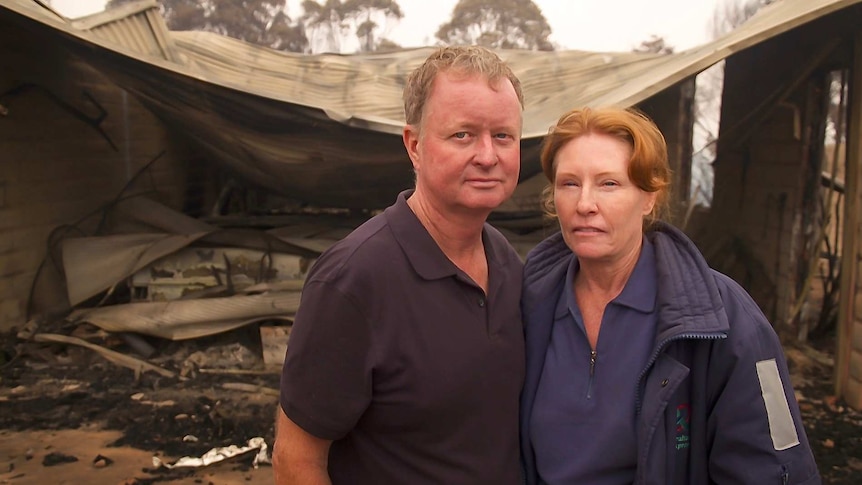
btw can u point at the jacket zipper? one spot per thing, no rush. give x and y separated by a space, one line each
661 346
653 358
592 373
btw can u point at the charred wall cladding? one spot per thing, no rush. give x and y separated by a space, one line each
71 142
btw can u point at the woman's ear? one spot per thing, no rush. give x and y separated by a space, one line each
650 202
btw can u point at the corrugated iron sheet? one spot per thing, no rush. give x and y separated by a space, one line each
326 129
136 26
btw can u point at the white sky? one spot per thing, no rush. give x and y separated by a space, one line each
592 25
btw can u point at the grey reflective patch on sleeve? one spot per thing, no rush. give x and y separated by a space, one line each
781 426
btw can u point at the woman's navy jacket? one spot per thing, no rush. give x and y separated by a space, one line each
715 402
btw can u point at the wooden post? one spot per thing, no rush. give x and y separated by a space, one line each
848 355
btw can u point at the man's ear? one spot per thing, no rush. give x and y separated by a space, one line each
411 143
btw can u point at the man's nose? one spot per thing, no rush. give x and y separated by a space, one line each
486 152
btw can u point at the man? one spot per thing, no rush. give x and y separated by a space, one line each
406 355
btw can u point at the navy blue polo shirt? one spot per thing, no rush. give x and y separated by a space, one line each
401 360
583 426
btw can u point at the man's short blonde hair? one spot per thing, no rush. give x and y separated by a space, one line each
461 60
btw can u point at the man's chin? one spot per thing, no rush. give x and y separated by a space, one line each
484 202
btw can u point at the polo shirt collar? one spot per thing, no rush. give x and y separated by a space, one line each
640 290
422 251
424 255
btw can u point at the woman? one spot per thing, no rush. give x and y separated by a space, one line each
643 364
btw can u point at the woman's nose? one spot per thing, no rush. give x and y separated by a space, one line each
586 201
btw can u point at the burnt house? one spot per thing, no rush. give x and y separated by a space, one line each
94 109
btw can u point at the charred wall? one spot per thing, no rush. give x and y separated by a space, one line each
672 111
71 143
767 169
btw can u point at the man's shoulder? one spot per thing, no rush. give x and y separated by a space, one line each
364 247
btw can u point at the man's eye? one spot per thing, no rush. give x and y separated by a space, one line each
461 135
502 136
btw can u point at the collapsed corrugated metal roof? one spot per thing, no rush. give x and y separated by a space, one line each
326 129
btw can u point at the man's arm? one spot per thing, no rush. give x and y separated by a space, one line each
298 458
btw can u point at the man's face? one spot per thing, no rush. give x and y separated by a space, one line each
467 152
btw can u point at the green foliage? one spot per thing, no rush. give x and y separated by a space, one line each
262 22
501 24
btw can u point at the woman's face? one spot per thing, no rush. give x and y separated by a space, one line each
600 209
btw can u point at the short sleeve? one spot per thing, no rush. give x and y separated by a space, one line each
326 378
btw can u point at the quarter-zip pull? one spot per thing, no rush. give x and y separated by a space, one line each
592 372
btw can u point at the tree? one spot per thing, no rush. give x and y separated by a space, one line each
730 14
500 24
334 22
656 45
365 14
326 24
261 22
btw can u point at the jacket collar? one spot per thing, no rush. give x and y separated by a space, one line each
687 296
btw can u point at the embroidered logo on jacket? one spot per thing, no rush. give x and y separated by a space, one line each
683 419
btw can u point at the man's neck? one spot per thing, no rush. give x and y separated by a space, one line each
457 234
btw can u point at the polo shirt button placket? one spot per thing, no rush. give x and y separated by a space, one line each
493 333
